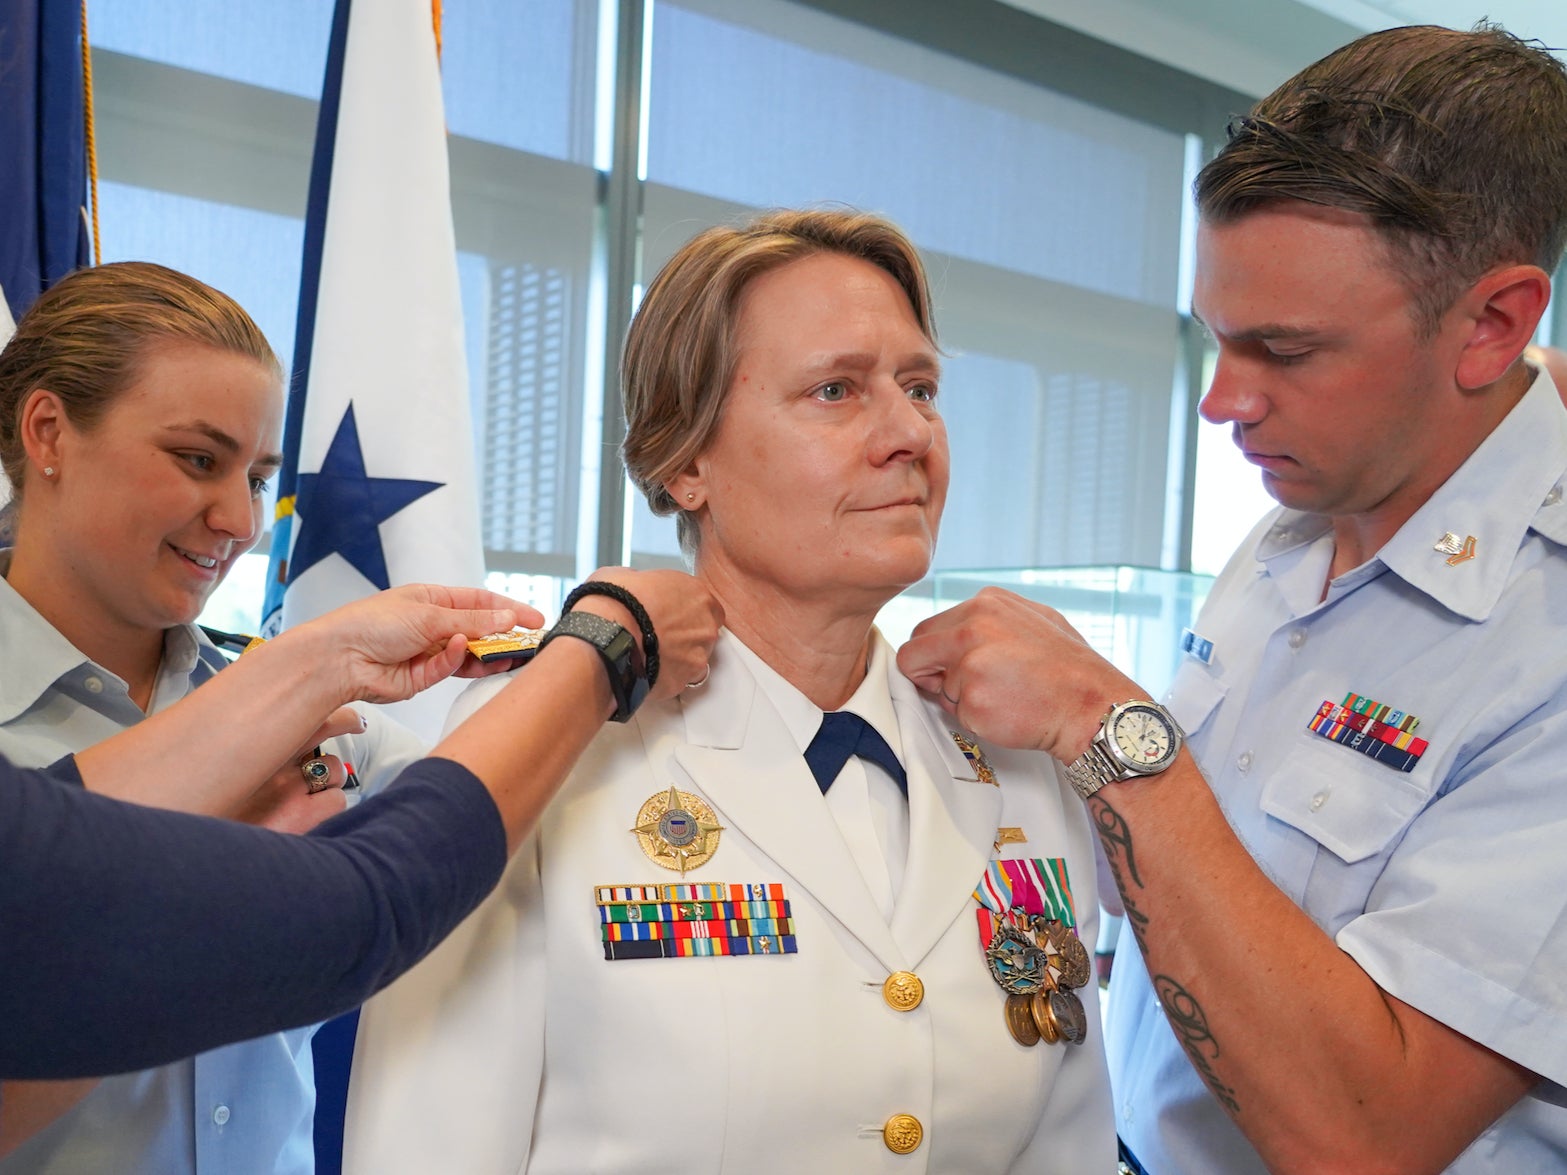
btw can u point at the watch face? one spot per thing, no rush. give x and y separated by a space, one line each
1143 738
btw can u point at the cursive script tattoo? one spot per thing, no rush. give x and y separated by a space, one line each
1190 1024
1185 1015
1116 838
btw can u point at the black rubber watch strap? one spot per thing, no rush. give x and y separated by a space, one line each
599 587
615 647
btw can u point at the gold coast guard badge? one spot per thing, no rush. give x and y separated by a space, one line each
677 830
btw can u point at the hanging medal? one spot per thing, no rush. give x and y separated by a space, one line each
1057 1008
1015 961
1027 932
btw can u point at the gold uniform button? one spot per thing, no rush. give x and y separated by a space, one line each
903 1134
903 991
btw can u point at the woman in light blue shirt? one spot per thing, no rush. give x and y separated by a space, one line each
204 931
140 412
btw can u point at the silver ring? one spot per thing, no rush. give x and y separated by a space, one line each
949 697
706 672
317 775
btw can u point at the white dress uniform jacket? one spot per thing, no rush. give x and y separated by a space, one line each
518 1047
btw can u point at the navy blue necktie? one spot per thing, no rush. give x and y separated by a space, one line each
843 734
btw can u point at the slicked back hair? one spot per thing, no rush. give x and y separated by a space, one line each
1453 144
85 336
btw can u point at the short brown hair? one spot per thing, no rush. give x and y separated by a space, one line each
1454 144
681 350
85 336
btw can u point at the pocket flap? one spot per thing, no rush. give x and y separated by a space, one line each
1351 805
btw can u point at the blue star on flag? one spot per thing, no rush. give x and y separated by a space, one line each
341 508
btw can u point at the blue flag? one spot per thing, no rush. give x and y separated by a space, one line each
43 180
43 160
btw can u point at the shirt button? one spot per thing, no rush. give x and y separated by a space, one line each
1319 799
1243 761
220 1116
1553 497
903 991
1297 638
1126 1112
94 685
902 1134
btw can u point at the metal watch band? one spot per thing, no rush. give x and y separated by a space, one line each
615 647
1101 764
1092 770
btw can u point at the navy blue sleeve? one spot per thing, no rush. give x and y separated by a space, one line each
130 937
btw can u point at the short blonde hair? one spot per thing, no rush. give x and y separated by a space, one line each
85 336
681 350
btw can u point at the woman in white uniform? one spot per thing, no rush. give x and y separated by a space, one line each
726 948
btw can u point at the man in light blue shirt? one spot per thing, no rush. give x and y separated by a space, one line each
247 1109
1348 890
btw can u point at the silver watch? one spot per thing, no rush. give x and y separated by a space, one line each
1137 738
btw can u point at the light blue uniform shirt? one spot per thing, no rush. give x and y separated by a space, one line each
246 1109
1448 884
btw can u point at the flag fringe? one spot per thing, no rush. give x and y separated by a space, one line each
90 138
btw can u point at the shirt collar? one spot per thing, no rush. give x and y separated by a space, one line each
1509 485
1295 550
36 655
182 649
1514 481
1289 531
872 701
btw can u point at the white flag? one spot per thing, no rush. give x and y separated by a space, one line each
379 441
7 323
7 329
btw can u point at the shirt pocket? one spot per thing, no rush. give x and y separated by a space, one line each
1193 696
1349 804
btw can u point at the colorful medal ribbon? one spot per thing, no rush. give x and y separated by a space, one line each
1026 886
694 920
1375 730
994 894
1043 888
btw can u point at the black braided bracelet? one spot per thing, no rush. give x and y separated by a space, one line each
599 587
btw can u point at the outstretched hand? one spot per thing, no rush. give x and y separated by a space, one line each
392 645
1015 673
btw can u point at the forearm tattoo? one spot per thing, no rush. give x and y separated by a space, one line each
1185 1015
1117 840
1190 1024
